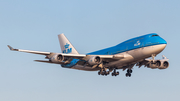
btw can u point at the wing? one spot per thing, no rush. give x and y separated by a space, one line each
29 51
47 53
69 57
153 63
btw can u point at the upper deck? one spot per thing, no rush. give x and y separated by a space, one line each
134 43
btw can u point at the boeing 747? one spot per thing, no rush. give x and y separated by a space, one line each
125 56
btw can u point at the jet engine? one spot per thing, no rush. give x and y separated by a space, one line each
160 64
154 65
57 58
164 65
94 60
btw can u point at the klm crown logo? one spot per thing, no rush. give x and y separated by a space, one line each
67 49
137 43
66 46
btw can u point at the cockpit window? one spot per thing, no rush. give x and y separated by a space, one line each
154 35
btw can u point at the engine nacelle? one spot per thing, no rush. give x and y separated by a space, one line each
154 65
164 65
160 64
94 60
57 58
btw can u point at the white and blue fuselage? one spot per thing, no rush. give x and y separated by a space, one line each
122 56
135 49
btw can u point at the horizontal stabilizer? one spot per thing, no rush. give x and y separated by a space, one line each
49 62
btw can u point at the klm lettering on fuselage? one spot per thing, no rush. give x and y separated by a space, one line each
67 49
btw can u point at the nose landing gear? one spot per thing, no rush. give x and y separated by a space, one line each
128 74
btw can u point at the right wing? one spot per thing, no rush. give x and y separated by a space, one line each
50 55
29 51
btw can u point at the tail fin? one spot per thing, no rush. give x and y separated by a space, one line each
66 46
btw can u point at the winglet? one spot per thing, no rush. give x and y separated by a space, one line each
12 48
164 57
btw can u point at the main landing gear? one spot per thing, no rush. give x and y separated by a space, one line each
114 73
103 72
128 74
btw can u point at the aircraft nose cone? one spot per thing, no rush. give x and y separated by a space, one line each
162 47
163 41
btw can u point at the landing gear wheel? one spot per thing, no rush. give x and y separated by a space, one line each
129 71
102 73
107 72
117 73
128 74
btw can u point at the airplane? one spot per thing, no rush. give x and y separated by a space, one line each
136 51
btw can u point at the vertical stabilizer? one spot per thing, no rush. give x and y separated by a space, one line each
66 46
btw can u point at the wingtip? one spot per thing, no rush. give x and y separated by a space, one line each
164 57
60 34
10 47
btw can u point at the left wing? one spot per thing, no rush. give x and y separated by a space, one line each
153 64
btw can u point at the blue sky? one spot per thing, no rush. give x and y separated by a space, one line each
90 25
